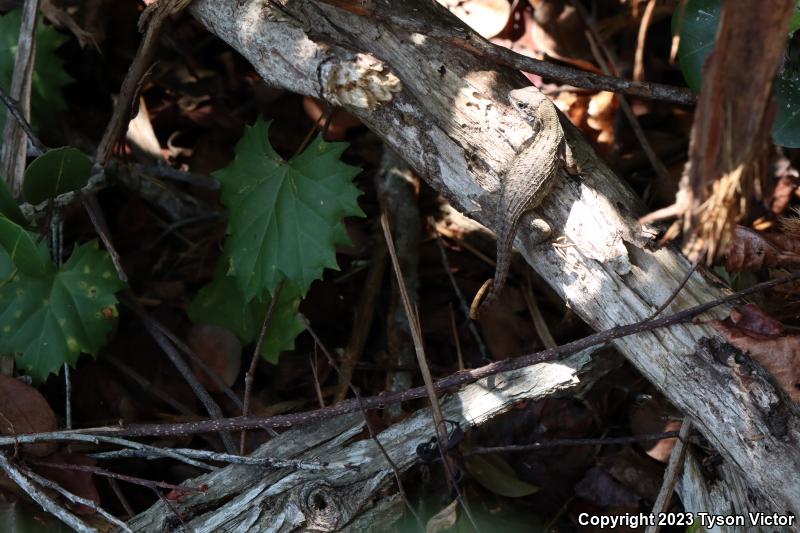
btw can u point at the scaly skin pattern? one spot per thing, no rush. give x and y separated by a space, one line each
530 177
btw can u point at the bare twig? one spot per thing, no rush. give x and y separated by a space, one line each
455 380
592 35
74 498
96 470
300 464
249 375
41 498
462 303
416 335
671 475
465 39
16 112
560 443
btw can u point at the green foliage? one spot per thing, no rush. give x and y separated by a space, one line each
55 172
698 31
47 321
285 220
49 77
222 303
285 217
9 207
28 257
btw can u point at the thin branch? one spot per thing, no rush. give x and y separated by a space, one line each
381 400
560 443
15 111
74 498
465 39
41 498
671 475
96 470
248 376
300 464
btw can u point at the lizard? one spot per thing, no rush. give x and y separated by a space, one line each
530 176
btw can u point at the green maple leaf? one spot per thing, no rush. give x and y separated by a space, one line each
222 303
285 217
49 77
47 321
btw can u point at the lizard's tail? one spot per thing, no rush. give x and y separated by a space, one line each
504 248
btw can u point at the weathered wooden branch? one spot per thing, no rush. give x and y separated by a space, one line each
445 113
251 498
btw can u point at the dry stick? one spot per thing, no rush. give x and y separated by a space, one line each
16 112
248 376
638 63
172 354
362 320
462 303
419 348
95 470
133 80
299 464
129 512
75 436
680 286
456 340
592 35
372 435
41 498
454 380
188 352
14 150
536 314
671 474
559 443
467 40
74 498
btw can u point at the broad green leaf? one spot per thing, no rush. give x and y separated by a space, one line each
55 172
285 217
495 474
221 303
22 250
698 32
49 77
8 207
46 322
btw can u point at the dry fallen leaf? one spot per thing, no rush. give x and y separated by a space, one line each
221 351
751 250
781 356
23 409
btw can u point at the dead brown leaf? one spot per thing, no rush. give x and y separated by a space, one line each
23 409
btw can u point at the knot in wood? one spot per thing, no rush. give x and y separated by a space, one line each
325 508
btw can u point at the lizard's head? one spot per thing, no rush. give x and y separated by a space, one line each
527 100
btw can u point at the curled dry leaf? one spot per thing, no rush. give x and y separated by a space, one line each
221 351
781 356
755 323
751 250
24 410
